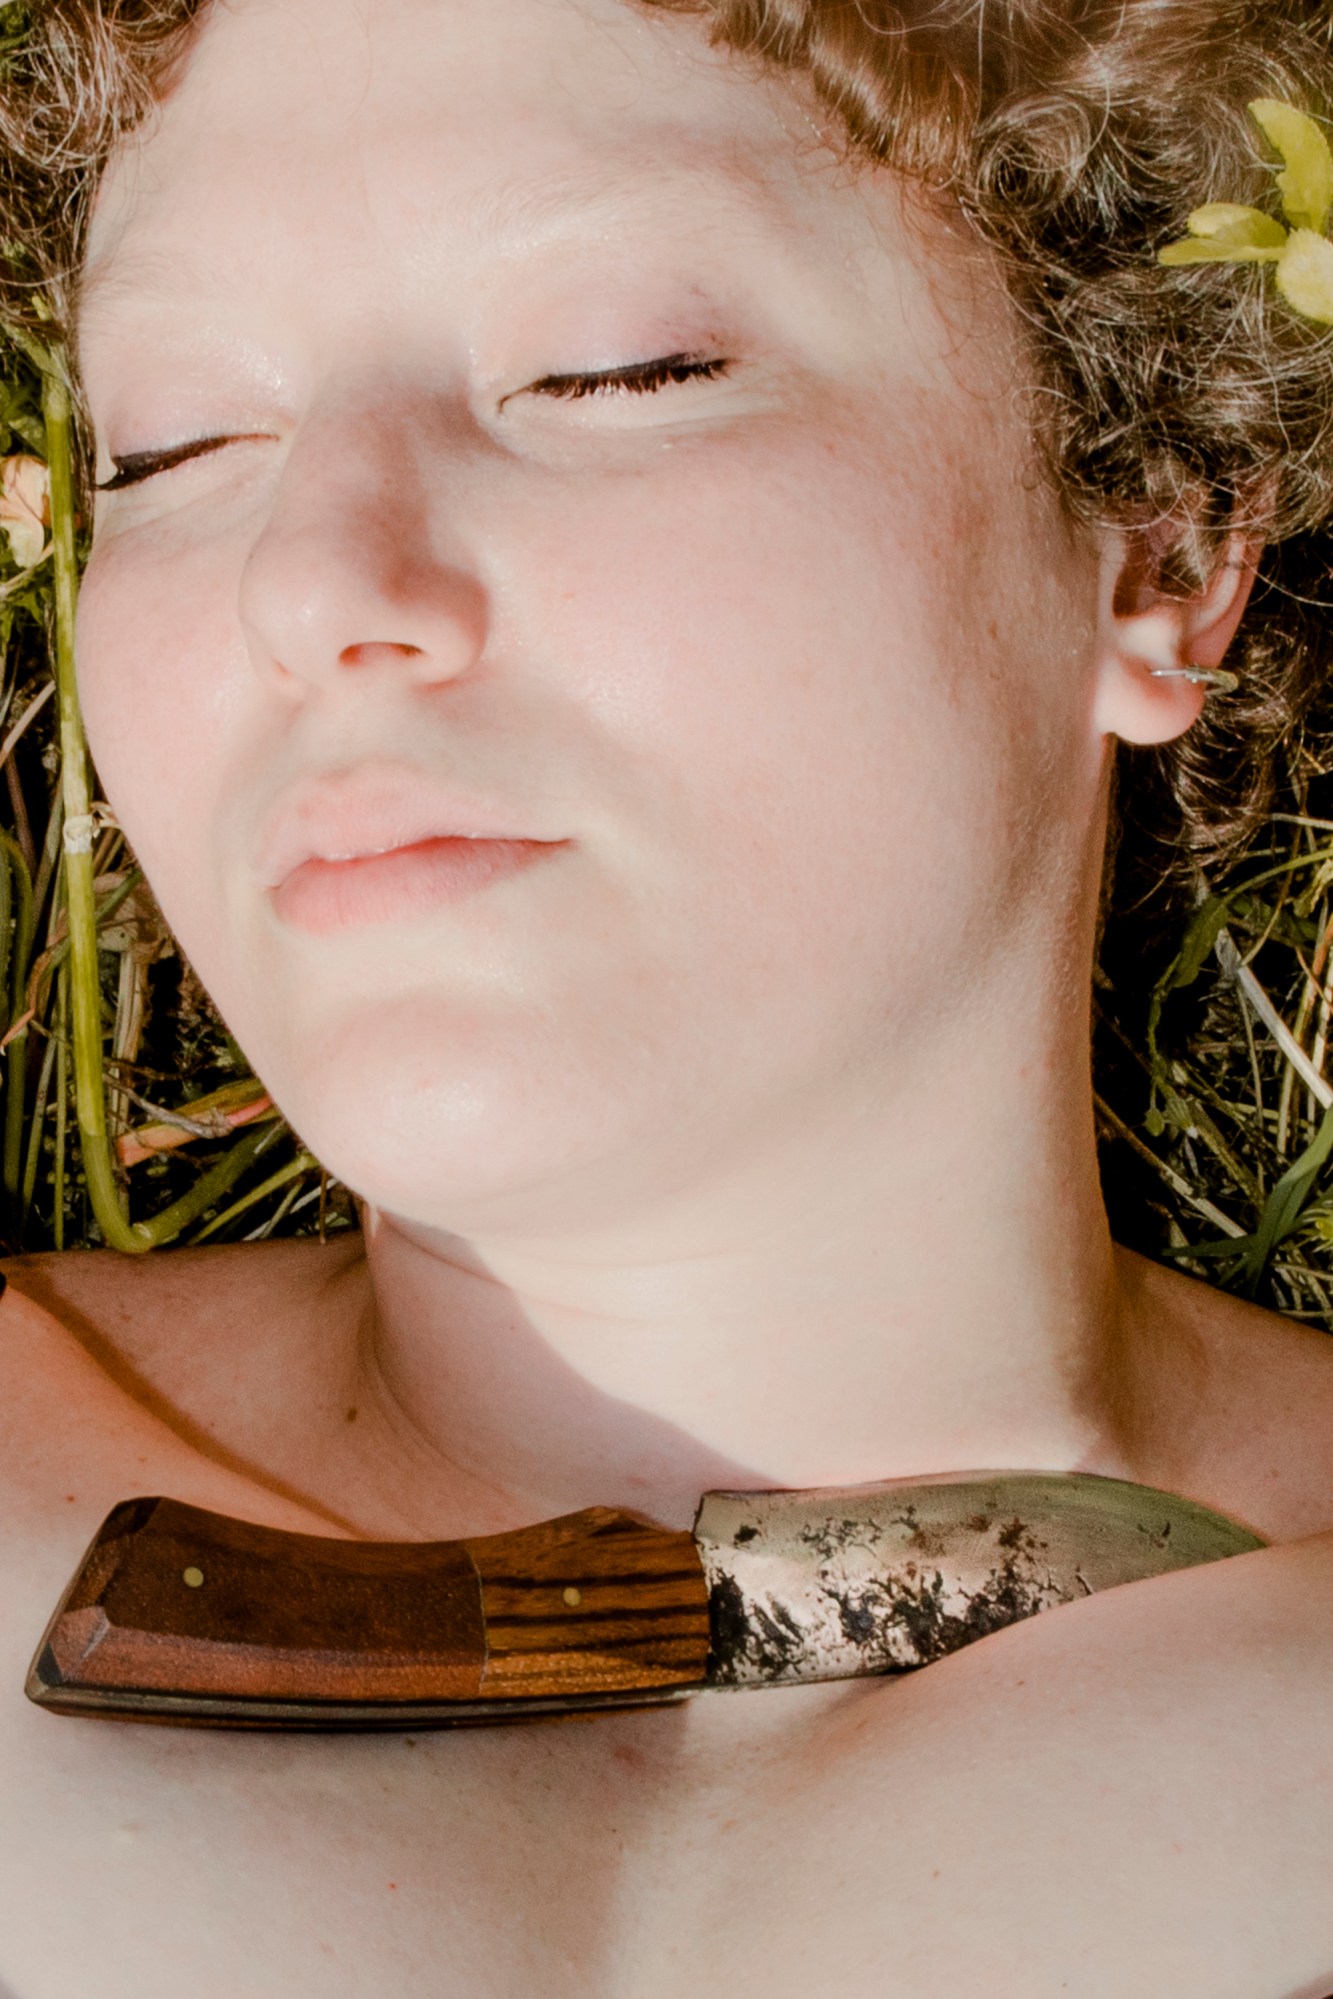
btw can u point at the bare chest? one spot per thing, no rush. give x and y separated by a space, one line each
910 1839
1133 1795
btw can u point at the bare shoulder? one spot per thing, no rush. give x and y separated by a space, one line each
101 1352
137 1305
1236 1402
180 1313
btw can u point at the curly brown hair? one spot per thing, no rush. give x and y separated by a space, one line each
1076 136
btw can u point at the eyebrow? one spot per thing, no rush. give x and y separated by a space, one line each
148 274
530 211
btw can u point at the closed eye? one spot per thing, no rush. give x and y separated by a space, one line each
143 464
637 378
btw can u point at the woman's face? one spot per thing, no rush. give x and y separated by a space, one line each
787 660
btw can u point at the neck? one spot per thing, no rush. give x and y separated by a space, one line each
914 1283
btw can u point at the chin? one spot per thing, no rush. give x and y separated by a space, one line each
458 1131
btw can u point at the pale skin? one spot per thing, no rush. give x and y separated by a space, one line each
745 1140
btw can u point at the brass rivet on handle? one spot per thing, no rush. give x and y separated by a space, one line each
193 1578
573 1597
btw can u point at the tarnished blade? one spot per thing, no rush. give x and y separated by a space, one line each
180 1615
883 1578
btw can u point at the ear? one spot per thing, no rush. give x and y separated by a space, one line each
1141 628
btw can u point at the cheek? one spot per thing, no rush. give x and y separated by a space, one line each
161 679
804 686
819 662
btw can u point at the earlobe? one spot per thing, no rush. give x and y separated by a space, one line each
1142 693
1160 656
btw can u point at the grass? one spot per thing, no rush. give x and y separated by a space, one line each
1212 1045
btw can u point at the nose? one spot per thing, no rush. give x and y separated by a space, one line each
351 571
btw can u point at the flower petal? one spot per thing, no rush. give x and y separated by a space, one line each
1194 250
1307 184
1223 233
1245 228
1305 275
25 542
25 506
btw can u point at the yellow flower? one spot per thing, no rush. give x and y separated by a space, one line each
25 507
1224 232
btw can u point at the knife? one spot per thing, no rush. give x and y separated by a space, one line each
180 1615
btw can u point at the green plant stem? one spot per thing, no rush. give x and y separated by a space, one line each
48 867
37 1131
24 926
103 911
6 945
62 1108
207 1189
66 875
16 1055
304 1162
85 983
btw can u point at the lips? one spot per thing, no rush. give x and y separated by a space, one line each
381 844
320 897
349 816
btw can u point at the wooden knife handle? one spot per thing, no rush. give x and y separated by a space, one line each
178 1614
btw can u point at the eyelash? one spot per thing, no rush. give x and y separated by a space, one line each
638 378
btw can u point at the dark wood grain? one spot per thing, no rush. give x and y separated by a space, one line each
185 1615
597 1600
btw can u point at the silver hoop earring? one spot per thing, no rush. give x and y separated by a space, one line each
1216 680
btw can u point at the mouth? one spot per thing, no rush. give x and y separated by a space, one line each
321 896
384 841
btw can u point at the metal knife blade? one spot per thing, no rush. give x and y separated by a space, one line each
828 1585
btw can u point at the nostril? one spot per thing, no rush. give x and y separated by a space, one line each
364 653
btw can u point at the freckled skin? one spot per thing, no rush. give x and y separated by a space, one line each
747 1142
